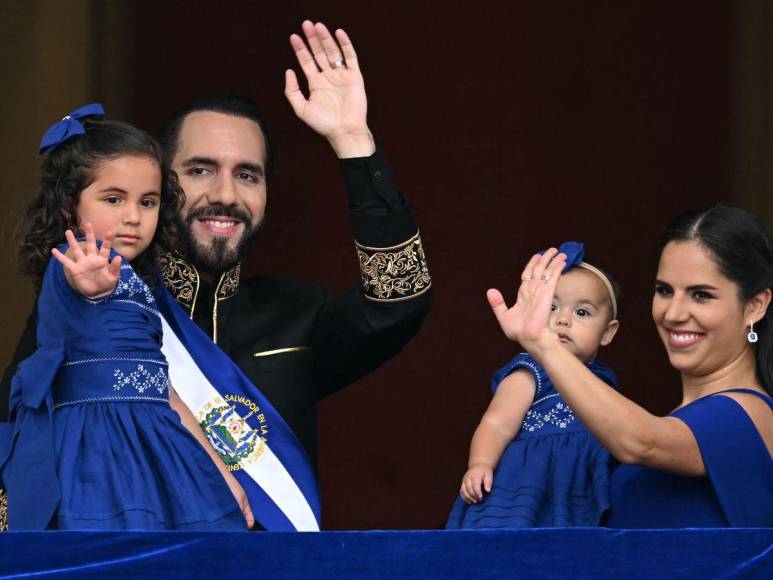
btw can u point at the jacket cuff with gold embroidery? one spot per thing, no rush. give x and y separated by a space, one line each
3 510
391 257
395 273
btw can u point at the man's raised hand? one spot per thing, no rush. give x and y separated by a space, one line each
337 105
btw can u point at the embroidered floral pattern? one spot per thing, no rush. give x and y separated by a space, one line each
180 278
131 285
141 379
229 283
559 415
130 288
396 273
3 510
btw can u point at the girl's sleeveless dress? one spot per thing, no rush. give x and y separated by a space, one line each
95 443
737 490
554 473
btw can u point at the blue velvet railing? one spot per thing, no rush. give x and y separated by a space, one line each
542 553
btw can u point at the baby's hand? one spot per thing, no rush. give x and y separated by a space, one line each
478 479
90 273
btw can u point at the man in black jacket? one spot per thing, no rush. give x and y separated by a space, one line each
296 341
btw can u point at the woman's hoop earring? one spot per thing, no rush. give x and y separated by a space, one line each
752 336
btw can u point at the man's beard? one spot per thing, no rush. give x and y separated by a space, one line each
217 257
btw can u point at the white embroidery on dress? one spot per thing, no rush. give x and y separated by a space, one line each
109 398
112 359
535 369
141 379
127 287
561 415
131 285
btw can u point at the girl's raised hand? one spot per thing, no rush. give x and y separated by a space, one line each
90 273
527 320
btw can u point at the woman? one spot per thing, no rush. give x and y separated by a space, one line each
707 464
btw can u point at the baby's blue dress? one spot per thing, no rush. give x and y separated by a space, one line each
554 473
737 490
95 443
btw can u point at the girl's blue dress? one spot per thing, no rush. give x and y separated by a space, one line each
737 490
554 473
95 443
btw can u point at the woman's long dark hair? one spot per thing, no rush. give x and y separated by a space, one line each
69 169
742 247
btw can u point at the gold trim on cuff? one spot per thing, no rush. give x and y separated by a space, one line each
3 510
395 273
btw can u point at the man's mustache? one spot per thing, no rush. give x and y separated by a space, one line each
218 210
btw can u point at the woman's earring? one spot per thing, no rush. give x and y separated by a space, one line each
752 336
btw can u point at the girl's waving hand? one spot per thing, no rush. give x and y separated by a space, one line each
90 273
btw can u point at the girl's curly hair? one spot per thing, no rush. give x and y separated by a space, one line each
69 169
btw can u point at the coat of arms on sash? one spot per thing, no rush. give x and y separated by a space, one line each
229 433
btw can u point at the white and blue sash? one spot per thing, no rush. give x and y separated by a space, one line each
260 449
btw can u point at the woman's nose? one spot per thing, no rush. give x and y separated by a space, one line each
676 311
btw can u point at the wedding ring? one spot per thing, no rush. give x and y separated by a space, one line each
527 278
545 277
337 64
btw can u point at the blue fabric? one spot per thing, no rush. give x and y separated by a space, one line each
575 254
69 127
96 445
554 473
227 378
737 490
522 554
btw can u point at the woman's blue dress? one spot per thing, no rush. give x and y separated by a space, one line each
737 490
95 443
554 473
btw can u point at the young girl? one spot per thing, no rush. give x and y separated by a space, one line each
95 442
532 464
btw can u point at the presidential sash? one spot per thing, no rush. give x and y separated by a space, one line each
253 440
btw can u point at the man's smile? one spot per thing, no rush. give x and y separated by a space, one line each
219 225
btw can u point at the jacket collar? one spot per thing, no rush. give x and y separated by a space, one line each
183 281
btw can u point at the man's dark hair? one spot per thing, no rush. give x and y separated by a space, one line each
226 103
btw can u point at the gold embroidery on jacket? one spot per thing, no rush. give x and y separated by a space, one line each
396 273
3 510
181 279
226 287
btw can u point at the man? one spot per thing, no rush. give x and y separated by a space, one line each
296 341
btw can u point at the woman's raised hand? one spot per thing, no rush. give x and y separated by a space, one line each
89 272
527 321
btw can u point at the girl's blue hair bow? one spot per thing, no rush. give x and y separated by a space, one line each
68 127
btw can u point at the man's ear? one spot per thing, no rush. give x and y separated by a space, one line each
609 332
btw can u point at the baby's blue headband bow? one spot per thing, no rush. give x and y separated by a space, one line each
68 127
575 254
